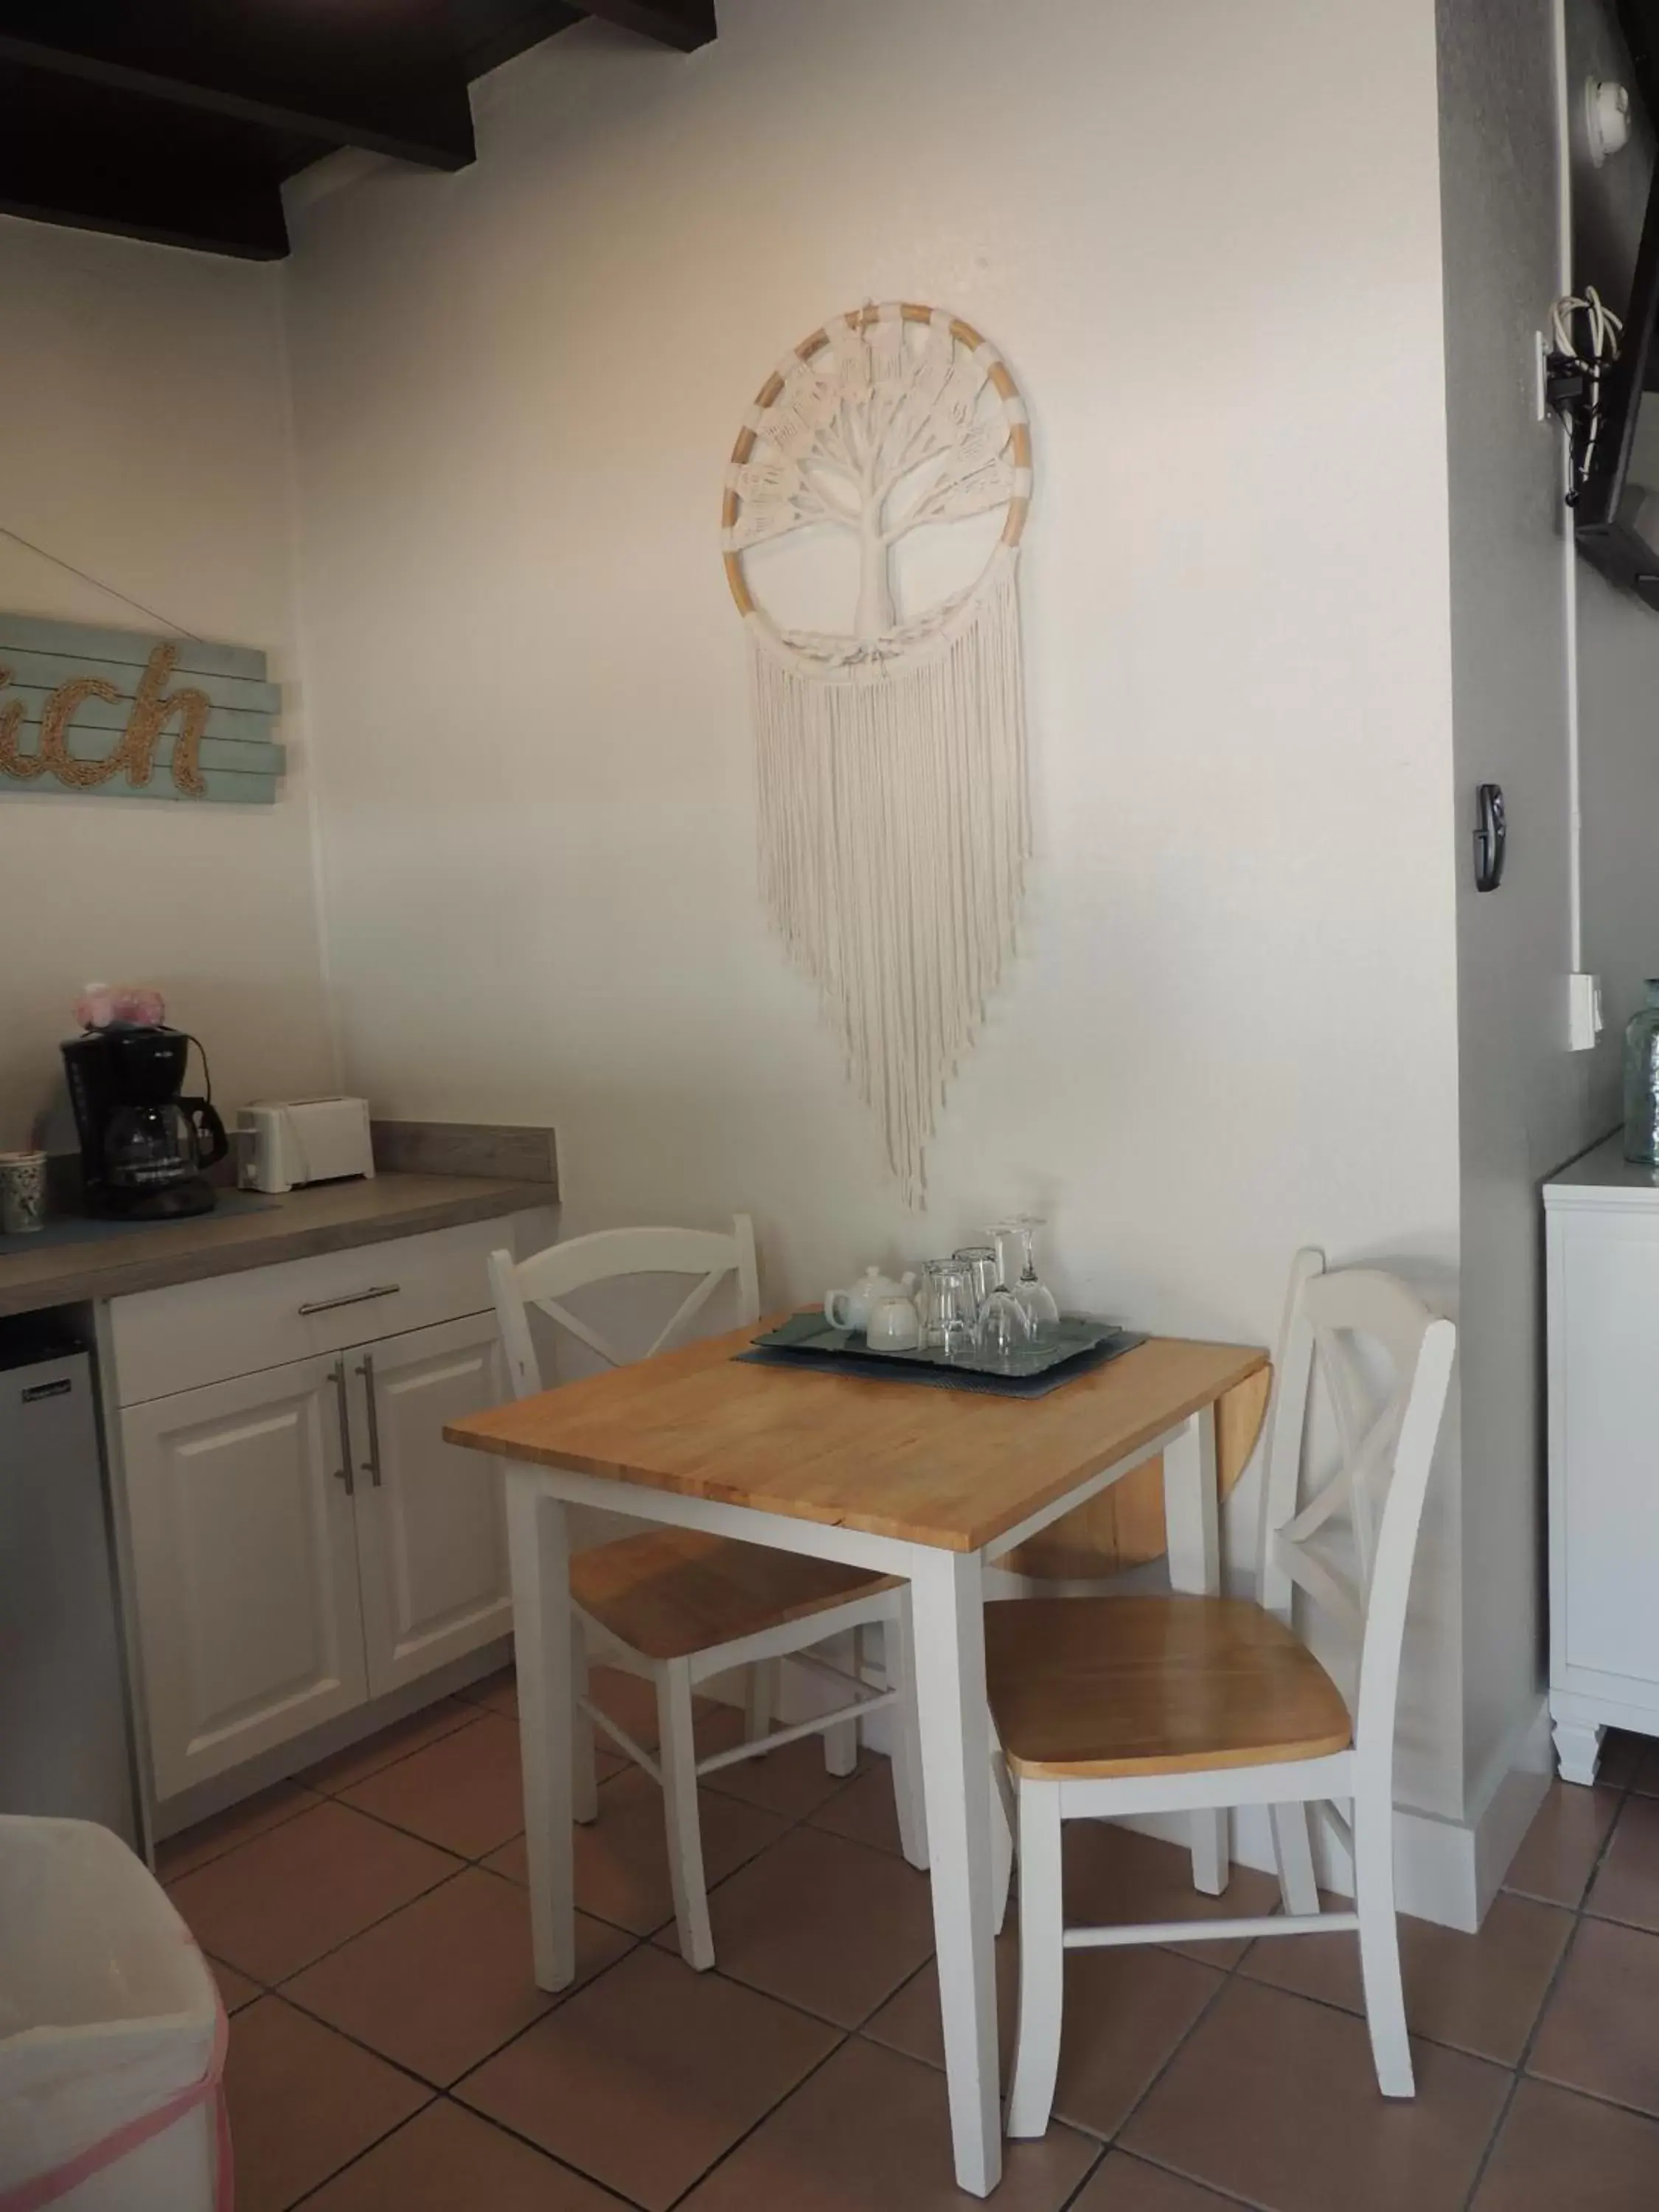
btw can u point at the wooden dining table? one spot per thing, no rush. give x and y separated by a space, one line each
903 1479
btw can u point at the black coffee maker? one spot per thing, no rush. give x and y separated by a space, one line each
144 1144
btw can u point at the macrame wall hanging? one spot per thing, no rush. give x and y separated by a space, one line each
884 477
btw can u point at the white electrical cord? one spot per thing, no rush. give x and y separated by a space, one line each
1569 551
1604 329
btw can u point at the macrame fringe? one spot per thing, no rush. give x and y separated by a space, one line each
894 834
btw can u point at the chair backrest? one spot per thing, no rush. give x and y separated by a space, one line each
548 1277
1383 1428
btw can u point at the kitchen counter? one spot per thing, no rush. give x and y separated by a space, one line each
327 1218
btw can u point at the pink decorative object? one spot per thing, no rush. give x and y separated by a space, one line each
100 1004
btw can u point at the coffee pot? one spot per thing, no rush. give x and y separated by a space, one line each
144 1144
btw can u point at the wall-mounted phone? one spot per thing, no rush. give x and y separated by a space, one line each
1491 836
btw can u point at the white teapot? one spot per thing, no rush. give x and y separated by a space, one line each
851 1309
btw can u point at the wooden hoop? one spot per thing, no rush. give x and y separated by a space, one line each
965 335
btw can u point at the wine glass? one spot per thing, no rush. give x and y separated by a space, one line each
1035 1298
1005 1327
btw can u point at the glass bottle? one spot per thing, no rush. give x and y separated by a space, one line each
1641 1082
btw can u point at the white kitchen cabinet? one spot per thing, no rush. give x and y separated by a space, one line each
245 1554
431 1538
1602 1235
303 1540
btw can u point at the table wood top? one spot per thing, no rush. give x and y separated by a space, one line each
952 1469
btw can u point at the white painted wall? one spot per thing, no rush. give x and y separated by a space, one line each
1208 238
144 438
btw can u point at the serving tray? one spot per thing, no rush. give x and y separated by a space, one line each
1079 1346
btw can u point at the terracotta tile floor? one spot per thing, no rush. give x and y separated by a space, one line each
390 2052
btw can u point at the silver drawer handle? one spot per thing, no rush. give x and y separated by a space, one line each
343 1471
351 1299
371 1464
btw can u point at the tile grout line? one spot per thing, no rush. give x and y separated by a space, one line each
843 2036
479 1865
279 1989
795 2090
436 2092
1228 1977
310 1799
792 1824
324 1796
1518 2073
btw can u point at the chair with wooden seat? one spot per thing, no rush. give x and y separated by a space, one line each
678 1606
1115 1707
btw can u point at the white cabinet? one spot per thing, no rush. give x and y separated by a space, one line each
303 1540
1602 1229
245 1554
431 1538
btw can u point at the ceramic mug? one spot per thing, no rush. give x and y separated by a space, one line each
893 1325
22 1193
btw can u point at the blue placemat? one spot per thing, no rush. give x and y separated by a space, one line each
83 1228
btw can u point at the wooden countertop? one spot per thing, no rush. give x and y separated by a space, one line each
933 1467
328 1218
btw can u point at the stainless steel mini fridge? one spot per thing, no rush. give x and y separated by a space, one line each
65 1741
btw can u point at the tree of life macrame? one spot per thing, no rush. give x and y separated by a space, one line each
894 821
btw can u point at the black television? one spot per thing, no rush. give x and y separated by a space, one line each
1615 517
1616 512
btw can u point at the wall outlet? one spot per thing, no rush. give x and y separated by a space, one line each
1584 1022
1541 377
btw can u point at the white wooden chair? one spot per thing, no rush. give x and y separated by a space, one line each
1108 1708
677 1605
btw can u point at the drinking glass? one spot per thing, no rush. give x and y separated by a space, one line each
951 1311
1004 1327
1035 1298
982 1261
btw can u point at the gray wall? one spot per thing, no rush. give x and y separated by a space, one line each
1524 1102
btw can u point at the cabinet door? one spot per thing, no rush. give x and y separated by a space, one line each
431 1519
245 1556
1604 1452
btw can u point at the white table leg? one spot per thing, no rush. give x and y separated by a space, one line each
947 1607
1191 1524
539 1557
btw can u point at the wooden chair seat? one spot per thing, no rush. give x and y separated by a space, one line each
671 1592
1088 1686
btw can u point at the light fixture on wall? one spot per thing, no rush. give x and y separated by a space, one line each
1606 118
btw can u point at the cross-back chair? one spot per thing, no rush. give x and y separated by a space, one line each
678 1606
1115 1707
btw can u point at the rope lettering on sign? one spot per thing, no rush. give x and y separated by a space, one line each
894 821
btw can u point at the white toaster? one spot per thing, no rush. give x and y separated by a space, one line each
283 1143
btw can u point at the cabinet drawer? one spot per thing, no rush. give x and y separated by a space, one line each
199 1333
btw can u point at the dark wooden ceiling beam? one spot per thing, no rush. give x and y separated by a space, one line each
101 160
379 74
487 33
686 24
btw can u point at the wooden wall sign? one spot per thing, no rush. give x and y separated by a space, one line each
132 716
